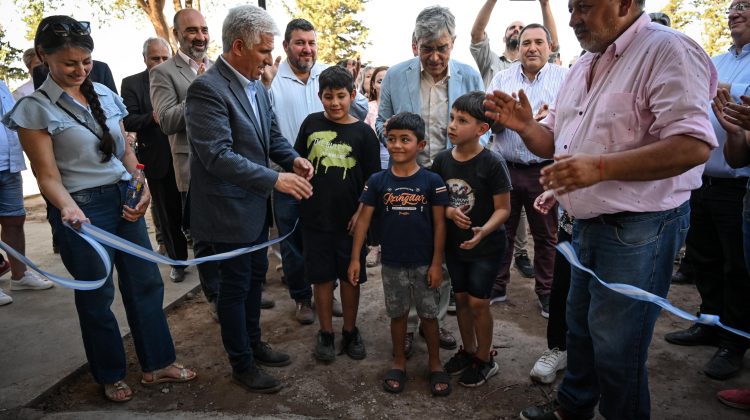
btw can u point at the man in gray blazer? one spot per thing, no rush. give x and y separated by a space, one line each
427 85
169 84
234 136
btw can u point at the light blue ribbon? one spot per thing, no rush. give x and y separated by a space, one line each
566 249
63 281
95 236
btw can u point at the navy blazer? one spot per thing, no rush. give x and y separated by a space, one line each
153 146
230 182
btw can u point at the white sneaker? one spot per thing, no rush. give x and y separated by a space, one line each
5 299
546 367
30 281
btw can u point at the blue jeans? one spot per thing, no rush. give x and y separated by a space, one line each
238 305
608 333
286 212
139 281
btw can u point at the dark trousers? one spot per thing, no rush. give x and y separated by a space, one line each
240 290
715 246
526 189
167 203
557 328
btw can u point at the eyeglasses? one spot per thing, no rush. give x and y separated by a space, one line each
64 29
739 7
441 49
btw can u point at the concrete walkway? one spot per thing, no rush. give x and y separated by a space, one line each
40 339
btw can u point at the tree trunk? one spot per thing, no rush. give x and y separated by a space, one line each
154 9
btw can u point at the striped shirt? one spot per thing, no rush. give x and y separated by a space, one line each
542 90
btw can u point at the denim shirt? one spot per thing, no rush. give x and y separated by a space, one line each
11 154
75 147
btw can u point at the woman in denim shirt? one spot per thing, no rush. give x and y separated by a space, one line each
72 132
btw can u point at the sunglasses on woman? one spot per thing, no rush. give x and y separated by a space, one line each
67 29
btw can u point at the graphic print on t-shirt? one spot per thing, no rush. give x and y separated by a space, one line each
461 195
324 152
404 200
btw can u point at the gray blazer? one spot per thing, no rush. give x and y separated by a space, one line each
169 84
230 150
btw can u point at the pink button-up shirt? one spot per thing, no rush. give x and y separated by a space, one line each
650 84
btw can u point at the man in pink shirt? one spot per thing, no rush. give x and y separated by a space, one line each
629 133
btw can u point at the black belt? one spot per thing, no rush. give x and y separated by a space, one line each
712 180
518 165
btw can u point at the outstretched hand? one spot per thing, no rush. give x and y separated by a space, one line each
512 113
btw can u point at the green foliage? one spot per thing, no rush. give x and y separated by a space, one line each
341 34
9 58
710 13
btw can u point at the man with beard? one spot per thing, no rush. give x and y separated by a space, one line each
294 96
153 149
169 84
629 132
490 63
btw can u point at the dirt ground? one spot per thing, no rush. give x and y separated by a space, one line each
352 389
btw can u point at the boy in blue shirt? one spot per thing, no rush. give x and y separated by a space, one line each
411 202
479 186
344 152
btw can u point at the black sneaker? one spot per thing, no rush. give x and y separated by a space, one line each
459 362
479 372
550 411
524 266
324 349
352 344
497 296
265 355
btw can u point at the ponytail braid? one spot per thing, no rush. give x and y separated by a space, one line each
107 142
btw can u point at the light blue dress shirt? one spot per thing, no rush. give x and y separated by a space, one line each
735 69
542 90
11 154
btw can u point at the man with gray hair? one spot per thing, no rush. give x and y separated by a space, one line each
233 137
427 85
30 60
153 149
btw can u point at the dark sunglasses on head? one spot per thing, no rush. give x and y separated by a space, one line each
67 29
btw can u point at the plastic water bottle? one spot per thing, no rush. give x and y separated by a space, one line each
135 187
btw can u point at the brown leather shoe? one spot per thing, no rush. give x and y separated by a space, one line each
447 341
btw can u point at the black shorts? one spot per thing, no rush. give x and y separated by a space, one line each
327 256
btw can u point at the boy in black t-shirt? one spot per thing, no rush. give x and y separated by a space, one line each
411 202
345 152
479 188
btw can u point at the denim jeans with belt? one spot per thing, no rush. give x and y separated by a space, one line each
139 281
608 333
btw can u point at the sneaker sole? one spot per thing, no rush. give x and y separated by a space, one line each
548 379
734 404
498 299
458 372
6 302
286 362
18 288
356 356
324 358
490 374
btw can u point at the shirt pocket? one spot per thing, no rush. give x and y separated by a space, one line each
615 123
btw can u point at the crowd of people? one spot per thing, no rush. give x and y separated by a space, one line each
429 168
